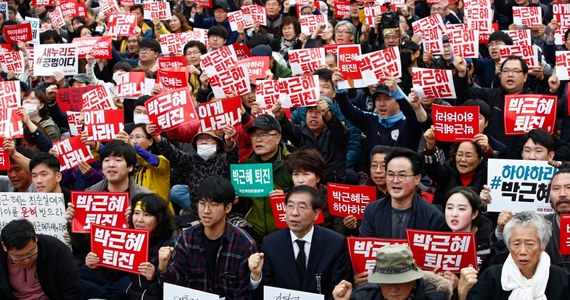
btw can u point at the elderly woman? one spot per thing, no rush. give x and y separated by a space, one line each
527 272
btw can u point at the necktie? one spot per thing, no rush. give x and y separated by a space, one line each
301 260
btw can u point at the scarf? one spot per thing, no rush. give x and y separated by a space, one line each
522 288
391 120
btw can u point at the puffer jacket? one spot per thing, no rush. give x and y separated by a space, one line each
430 286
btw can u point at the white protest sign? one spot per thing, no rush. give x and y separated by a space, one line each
176 292
55 57
270 292
563 65
35 29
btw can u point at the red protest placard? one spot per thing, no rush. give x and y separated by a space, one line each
4 157
455 123
526 112
218 60
173 43
219 114
12 61
374 65
348 61
17 33
309 23
84 45
204 3
130 84
71 151
255 66
267 93
563 65
73 8
520 37
109 7
258 13
171 62
43 3
447 251
231 82
306 61
101 208
103 48
299 91
15 128
278 208
103 125
98 98
172 78
565 234
349 200
171 109
464 40
433 83
242 50
341 9
122 24
363 251
121 249
528 53
370 12
528 16
71 99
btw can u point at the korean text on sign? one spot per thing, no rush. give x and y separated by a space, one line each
363 251
252 180
563 65
71 151
345 200
527 16
55 57
306 61
121 249
171 109
101 208
278 208
433 83
455 123
219 114
230 82
519 185
375 65
267 93
299 91
526 112
565 234
103 125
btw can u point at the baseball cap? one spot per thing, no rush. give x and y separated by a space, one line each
266 123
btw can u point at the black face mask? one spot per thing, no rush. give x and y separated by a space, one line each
405 59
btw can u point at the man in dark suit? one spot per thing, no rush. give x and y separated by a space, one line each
284 260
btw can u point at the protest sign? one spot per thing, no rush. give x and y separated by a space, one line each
433 83
218 60
101 208
299 91
17 33
528 53
75 121
176 292
349 200
445 251
252 180
348 62
465 41
455 123
173 43
561 13
46 211
171 109
12 61
200 35
527 16
43 3
370 13
278 208
432 29
122 24
563 65
71 99
172 78
98 47
10 99
157 10
230 82
332 48
35 23
121 249
375 65
242 50
165 62
270 292
267 93
239 19
258 13
479 15
341 9
108 7
204 3
306 61
98 98
55 57
73 8
310 23
56 17
363 250
520 37
219 114
519 185
103 125
130 84
255 66
71 151
564 234
4 157
525 112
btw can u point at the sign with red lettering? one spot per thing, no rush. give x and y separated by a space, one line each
12 61
341 9
172 78
520 37
56 17
43 3
100 208
239 19
464 40
527 16
109 7
75 121
73 8
255 66
374 65
98 47
17 33
55 57
171 109
446 251
200 35
4 157
565 234
217 115
10 99
173 43
157 10
204 3
432 29
122 24
433 83
121 249
130 84
526 112
171 62
563 65
84 45
103 125
98 98
363 250
71 99
528 53
309 23
299 91
306 61
332 48
278 208
455 123
71 151
479 15
349 200
267 93
218 60
258 13
230 82
561 13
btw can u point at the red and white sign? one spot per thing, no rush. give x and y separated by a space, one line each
299 91
121 249
455 123
528 53
239 19
12 61
563 65
258 13
200 35
267 93
374 65
219 60
255 66
103 125
526 112
17 33
204 3
71 151
561 13
171 62
122 24
348 61
242 50
432 29
306 61
520 37
173 43
108 7
157 10
217 115
171 109
43 3
479 15
465 41
73 8
278 209
341 9
527 16
56 17
98 98
35 23
447 251
55 57
75 121
309 23
71 99
130 84
565 234
370 13
363 250
10 99
433 83
100 208
231 82
4 157
98 47
172 78
349 200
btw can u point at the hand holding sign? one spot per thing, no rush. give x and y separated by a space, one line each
9 146
255 263
91 260
164 254
147 270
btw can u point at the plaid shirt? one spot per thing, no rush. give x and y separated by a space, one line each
187 266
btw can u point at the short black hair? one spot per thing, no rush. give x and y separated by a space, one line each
45 158
137 6
79 19
524 66
216 189
412 156
151 44
324 74
308 159
218 30
17 234
122 149
382 149
305 189
197 44
50 34
484 108
157 207
122 65
540 137
501 36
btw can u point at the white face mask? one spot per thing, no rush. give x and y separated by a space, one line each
31 108
140 118
206 151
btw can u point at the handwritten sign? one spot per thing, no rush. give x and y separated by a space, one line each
121 249
71 151
525 112
455 123
252 180
101 208
270 292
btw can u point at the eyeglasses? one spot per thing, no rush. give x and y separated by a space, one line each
210 205
145 50
400 176
513 71
301 207
193 53
343 32
263 135
468 156
23 258
137 137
